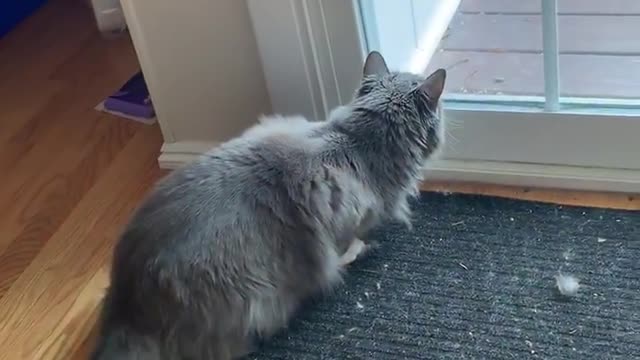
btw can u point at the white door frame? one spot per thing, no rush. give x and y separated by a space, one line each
307 53
312 52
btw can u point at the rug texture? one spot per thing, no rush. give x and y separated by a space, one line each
475 279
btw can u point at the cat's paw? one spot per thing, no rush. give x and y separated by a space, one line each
357 250
369 246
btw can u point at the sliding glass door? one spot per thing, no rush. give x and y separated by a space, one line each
569 53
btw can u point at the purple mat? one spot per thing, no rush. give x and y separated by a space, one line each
132 99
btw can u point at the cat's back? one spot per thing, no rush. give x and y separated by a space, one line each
268 157
274 150
244 182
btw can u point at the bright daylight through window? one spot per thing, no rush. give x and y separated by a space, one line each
495 50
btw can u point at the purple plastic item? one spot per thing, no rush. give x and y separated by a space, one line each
132 99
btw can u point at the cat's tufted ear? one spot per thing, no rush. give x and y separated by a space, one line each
433 86
375 65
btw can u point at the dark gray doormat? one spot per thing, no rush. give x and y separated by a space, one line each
475 280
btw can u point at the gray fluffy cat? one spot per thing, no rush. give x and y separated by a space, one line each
225 249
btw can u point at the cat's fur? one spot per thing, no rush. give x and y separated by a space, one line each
225 249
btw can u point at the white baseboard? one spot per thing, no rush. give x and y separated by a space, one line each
174 155
536 175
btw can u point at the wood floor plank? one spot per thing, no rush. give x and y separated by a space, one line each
18 110
65 139
83 350
51 33
71 331
88 75
38 214
26 85
47 289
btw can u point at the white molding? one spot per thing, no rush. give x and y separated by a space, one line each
188 147
285 52
535 175
178 154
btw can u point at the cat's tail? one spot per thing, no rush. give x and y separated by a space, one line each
119 342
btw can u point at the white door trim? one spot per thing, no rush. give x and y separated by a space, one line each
308 50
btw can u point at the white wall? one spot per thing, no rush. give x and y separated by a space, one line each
201 64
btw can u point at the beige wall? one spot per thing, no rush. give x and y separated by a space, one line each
201 63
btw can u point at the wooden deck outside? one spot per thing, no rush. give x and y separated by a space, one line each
495 47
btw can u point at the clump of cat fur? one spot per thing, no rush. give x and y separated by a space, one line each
224 250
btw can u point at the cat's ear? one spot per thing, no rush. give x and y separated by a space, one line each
433 86
375 65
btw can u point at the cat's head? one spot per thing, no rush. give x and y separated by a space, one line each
401 107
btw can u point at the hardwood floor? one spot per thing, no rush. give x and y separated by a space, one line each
71 177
